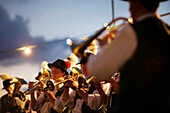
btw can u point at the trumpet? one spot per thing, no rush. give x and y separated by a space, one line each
16 89
51 85
30 90
76 73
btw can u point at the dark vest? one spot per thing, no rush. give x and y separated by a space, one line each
144 80
57 95
7 106
85 107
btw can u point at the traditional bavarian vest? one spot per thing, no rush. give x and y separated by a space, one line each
144 81
85 107
7 105
57 95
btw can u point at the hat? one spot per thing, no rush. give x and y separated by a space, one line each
5 76
39 74
84 60
7 80
7 83
61 64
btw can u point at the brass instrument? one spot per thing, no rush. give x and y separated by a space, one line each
76 73
79 50
16 89
50 84
46 76
30 90
17 85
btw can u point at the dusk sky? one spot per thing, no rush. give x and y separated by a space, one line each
31 22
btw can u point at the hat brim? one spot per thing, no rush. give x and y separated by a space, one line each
49 65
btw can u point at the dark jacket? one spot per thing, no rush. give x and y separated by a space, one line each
144 81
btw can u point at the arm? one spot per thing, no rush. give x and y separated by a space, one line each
65 95
33 100
99 96
68 95
112 56
114 84
36 104
82 94
80 91
55 102
50 96
101 92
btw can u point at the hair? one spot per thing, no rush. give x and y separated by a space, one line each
152 5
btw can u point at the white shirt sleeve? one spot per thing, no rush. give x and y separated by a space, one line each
58 105
70 101
39 102
113 55
94 100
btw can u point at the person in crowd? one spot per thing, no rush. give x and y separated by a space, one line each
49 101
114 80
44 72
140 53
10 101
85 98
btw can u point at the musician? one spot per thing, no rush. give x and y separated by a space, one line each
140 53
84 99
49 101
7 105
44 72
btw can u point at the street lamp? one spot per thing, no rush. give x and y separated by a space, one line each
27 50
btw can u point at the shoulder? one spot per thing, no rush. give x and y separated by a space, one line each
127 31
4 96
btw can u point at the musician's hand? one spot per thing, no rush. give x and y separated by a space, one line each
67 76
114 84
71 83
42 85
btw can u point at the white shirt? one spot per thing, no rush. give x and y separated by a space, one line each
94 100
46 107
112 56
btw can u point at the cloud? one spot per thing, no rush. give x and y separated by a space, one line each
15 33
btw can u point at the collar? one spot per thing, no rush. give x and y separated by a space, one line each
149 15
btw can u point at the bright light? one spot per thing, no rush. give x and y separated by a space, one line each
130 20
68 41
27 51
105 24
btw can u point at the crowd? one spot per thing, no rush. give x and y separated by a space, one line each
128 75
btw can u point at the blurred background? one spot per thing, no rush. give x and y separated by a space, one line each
47 24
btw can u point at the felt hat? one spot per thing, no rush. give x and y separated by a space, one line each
61 64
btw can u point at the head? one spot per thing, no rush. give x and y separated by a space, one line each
140 7
44 65
58 69
8 86
39 77
83 63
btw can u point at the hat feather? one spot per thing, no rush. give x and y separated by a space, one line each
5 76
